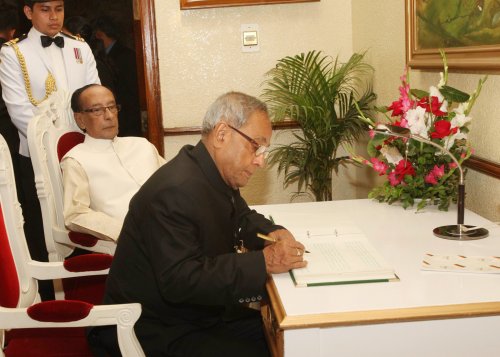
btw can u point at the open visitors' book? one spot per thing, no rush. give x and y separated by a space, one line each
340 256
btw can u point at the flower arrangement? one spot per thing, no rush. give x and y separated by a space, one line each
415 169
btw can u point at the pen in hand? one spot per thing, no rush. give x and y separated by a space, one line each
271 239
268 238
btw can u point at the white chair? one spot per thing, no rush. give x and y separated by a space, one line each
50 328
51 133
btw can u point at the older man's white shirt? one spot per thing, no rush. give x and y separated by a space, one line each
100 177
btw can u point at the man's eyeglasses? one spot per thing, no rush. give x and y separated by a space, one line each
259 149
99 111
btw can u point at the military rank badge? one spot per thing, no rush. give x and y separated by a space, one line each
78 55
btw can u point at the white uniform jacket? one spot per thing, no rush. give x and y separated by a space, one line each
80 69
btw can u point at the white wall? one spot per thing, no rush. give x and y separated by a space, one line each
200 58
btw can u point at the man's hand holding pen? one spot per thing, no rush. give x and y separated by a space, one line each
284 254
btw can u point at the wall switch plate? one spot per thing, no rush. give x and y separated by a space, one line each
250 38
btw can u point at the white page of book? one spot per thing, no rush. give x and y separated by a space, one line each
340 257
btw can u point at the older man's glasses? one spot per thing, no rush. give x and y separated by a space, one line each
259 149
99 111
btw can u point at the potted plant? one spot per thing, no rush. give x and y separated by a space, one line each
320 95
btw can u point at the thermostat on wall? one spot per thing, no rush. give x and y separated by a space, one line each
250 38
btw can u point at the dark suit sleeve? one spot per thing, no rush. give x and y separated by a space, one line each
177 243
251 223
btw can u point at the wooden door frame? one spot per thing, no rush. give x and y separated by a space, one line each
147 18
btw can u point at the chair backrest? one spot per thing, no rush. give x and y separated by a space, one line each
45 131
17 287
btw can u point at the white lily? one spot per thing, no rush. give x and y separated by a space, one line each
417 123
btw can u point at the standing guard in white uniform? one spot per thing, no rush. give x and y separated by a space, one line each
32 67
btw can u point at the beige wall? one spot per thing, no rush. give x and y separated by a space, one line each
386 43
200 58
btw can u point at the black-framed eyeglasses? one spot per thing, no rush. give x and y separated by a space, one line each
259 149
99 111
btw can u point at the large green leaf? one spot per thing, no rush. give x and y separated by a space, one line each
454 95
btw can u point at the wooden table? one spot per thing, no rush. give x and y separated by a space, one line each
424 314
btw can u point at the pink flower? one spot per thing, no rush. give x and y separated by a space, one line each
393 179
438 171
431 178
371 132
452 165
379 166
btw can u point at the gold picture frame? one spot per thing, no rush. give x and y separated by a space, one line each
199 4
464 51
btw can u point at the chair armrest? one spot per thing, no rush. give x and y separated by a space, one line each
124 316
61 235
56 270
118 314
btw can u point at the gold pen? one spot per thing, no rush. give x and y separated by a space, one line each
268 238
271 239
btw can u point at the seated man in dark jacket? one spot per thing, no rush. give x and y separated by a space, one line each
188 250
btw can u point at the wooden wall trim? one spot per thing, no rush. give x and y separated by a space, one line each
151 72
196 130
483 166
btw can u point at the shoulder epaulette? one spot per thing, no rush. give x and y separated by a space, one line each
16 40
74 37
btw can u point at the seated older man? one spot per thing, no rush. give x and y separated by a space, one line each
101 175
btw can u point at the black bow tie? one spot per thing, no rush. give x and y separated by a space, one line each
47 41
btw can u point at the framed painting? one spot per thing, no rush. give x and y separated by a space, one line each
199 4
467 30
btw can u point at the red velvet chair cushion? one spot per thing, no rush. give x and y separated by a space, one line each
59 311
86 288
43 342
88 262
83 239
9 281
67 141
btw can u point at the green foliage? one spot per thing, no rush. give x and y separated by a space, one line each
454 95
320 94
